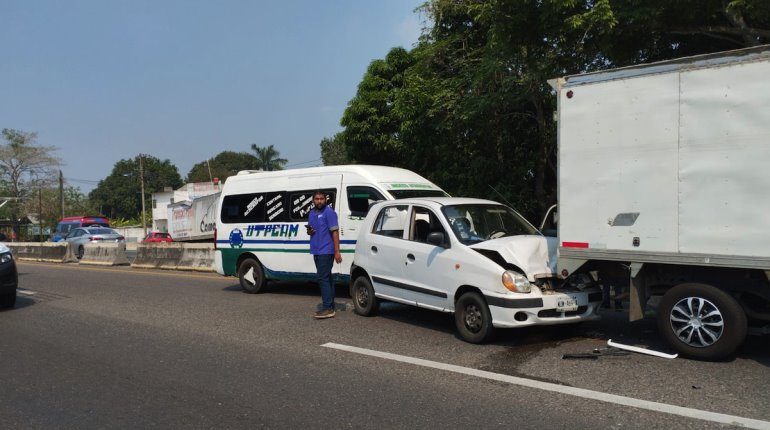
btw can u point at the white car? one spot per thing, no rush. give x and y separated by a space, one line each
476 258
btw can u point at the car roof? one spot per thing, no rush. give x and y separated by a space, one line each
442 201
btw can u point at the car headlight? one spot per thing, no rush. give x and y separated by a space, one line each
6 257
516 282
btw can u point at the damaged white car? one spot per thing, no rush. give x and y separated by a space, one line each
476 258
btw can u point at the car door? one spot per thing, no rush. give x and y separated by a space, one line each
384 253
428 269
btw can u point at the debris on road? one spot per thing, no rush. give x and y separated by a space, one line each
641 350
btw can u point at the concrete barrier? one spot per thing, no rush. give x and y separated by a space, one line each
105 254
175 256
50 252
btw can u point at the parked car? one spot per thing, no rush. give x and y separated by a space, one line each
9 278
475 258
66 224
78 237
157 237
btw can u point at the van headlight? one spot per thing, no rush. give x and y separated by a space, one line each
6 257
516 282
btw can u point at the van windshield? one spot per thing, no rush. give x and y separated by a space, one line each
474 223
408 194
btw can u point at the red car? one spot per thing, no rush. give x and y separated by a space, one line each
157 237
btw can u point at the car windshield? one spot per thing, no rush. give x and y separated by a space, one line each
101 231
474 223
408 194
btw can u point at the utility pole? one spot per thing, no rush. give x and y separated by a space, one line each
61 193
40 212
141 178
209 166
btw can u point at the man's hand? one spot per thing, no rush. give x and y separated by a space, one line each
338 257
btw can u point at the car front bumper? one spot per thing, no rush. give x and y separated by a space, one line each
543 310
9 278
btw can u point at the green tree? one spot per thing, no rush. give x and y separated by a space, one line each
268 158
223 165
334 152
119 194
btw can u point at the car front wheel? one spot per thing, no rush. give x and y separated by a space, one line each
8 300
472 318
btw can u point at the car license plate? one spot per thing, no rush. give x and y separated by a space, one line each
566 304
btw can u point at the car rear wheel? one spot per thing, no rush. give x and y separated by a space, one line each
364 301
80 252
473 319
251 276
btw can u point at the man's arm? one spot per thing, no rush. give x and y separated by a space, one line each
336 240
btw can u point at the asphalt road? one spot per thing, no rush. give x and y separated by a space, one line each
89 348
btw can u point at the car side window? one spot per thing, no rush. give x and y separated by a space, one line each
424 221
391 221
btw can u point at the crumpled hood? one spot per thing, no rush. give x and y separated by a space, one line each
4 248
535 255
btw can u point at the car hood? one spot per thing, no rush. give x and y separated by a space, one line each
4 248
535 255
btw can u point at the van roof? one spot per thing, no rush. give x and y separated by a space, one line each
372 173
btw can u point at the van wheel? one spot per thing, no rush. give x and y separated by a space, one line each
473 319
701 321
8 300
364 301
251 276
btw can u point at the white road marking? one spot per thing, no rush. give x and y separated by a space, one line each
25 292
556 388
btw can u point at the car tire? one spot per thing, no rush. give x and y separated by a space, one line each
251 276
8 301
364 301
473 319
701 321
80 252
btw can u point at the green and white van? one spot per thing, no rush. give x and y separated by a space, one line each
260 232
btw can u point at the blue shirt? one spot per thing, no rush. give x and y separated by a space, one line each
324 222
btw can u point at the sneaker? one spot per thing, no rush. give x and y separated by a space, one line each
326 313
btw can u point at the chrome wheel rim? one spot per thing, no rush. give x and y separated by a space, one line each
697 322
473 319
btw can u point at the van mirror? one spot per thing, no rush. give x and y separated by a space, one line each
437 238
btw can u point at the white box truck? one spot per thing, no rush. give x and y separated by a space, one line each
664 185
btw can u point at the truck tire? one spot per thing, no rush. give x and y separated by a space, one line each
364 301
702 322
251 276
473 319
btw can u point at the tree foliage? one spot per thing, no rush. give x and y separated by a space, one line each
224 164
268 158
334 152
470 108
119 194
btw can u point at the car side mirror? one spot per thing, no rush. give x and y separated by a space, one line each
437 238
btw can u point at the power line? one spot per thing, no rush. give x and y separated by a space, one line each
305 162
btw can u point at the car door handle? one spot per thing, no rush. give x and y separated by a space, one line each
409 258
374 250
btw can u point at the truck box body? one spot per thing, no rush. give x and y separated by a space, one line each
668 161
664 189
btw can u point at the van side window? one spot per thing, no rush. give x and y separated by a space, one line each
424 222
360 198
301 202
243 208
391 221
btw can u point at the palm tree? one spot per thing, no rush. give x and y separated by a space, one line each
267 158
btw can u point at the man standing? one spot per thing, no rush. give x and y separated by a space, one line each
323 228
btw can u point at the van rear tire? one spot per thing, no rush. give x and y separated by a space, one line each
251 276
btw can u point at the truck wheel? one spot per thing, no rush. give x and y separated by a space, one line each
251 276
8 300
473 319
701 321
364 301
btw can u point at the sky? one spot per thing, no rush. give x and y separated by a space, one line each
184 80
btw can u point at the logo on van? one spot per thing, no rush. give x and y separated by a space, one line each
272 230
236 238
